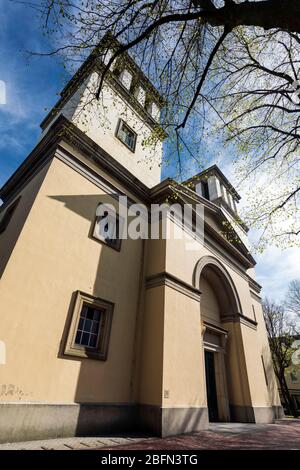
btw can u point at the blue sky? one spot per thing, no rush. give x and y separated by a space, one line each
32 85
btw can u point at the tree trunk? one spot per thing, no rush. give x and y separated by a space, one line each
268 14
286 395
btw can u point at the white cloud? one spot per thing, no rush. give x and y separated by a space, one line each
275 269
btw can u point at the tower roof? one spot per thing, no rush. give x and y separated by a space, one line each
95 62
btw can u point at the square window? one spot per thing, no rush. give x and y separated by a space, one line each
89 332
140 95
88 329
126 135
126 79
109 228
153 110
205 190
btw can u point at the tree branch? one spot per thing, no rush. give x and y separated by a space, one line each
203 76
268 14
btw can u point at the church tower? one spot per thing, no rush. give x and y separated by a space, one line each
124 120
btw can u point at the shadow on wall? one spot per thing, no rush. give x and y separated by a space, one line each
116 276
25 201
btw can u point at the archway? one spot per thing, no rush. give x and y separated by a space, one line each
219 307
217 275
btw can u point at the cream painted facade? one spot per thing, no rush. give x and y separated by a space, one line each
186 340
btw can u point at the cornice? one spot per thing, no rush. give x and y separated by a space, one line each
247 321
254 285
93 151
110 42
88 173
256 297
93 64
42 153
63 130
128 96
214 328
245 259
239 318
167 188
167 279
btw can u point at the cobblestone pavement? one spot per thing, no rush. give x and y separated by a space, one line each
71 443
284 435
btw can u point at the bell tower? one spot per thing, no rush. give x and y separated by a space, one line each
124 120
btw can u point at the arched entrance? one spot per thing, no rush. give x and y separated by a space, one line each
219 306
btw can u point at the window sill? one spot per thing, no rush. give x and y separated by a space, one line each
105 243
85 353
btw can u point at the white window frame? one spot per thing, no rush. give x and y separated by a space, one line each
122 123
115 240
100 351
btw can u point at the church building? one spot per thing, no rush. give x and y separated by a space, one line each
101 334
